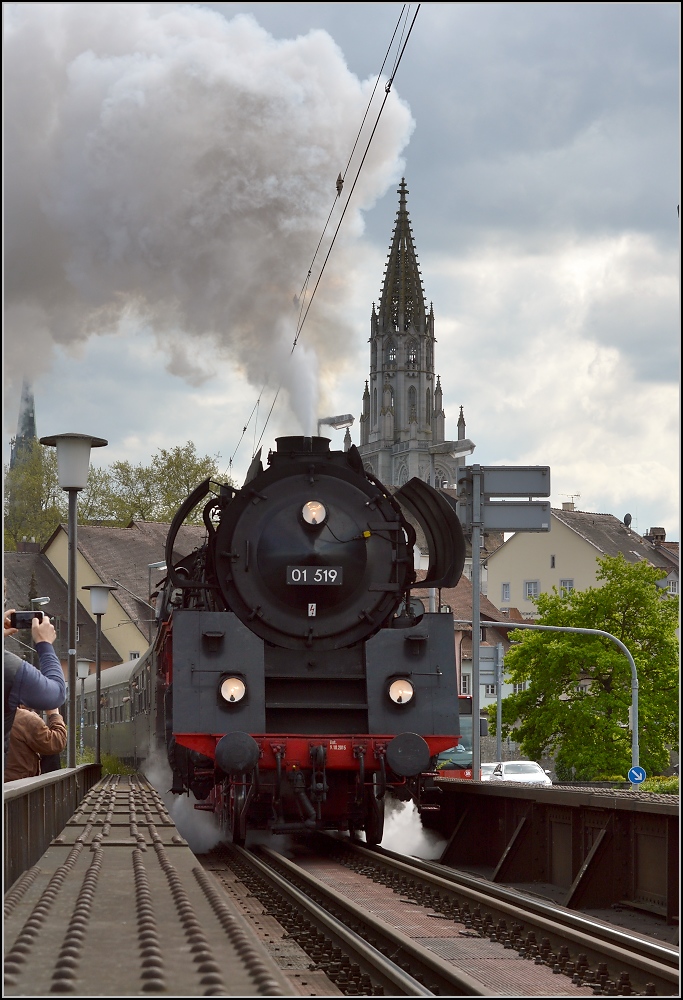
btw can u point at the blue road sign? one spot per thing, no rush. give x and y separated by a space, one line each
636 775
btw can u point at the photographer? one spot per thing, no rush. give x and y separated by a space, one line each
32 739
43 687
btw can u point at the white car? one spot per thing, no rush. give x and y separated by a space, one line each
527 772
486 771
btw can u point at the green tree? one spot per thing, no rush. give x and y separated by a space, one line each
575 707
124 491
33 503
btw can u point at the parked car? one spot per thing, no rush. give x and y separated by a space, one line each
455 759
487 771
527 772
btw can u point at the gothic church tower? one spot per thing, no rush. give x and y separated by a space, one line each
402 413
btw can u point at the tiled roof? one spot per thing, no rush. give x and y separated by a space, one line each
32 572
610 536
121 556
459 599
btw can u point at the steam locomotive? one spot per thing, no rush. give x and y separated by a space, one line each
298 679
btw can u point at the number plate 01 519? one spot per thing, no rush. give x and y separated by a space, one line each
315 576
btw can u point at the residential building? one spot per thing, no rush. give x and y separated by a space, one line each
565 557
119 557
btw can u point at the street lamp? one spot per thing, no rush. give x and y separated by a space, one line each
73 462
338 423
454 449
82 670
161 565
99 599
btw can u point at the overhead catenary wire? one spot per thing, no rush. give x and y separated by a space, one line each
300 300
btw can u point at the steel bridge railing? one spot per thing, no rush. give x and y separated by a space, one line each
36 810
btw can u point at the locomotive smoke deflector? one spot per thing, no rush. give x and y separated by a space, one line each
442 529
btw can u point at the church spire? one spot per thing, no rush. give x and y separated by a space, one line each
402 303
26 424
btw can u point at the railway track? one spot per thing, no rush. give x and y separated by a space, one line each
366 922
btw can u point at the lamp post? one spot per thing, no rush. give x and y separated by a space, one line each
99 599
82 670
338 423
73 462
161 565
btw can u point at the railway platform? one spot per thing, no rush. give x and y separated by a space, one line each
118 905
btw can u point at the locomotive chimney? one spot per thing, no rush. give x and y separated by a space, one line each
302 445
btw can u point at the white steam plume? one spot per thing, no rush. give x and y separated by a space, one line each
404 833
170 165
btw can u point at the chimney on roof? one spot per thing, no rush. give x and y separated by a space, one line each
656 535
26 546
568 505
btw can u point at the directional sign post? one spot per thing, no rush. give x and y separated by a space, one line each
477 511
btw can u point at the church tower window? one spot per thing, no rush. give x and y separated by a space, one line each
412 354
412 405
391 352
429 405
374 407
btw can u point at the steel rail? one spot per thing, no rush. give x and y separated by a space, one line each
385 972
447 978
619 951
647 947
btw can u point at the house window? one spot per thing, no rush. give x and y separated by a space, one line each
552 562
566 586
530 589
134 655
78 633
518 688
505 592
465 684
490 690
673 587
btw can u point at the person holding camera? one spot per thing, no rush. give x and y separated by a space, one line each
30 740
41 687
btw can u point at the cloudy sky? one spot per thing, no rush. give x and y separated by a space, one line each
168 170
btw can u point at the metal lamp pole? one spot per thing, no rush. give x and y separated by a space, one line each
99 599
73 462
83 669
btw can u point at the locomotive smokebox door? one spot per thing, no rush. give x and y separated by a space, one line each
312 554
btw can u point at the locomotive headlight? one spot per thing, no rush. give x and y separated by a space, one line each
401 691
314 513
232 689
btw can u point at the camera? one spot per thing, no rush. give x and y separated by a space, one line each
24 619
